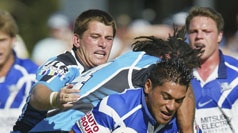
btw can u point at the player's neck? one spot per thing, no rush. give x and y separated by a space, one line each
208 66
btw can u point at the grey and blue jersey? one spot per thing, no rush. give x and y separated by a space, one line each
55 74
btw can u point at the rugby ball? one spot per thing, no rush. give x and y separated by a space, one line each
124 130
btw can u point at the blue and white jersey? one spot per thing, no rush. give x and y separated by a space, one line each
55 74
217 99
14 89
97 83
127 109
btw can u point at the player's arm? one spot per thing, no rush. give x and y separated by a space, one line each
42 98
185 114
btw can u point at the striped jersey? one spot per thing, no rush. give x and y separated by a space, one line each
56 73
127 109
217 98
14 89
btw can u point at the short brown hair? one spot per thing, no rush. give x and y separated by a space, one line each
206 12
82 21
8 24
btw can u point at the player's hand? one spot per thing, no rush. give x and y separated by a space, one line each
66 97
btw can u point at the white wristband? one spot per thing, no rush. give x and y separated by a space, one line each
51 97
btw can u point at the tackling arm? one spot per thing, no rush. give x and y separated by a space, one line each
42 98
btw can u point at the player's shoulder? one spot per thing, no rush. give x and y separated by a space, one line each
27 64
61 65
231 60
128 99
61 61
68 58
126 94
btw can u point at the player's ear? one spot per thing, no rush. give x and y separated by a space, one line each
14 39
148 86
220 37
76 40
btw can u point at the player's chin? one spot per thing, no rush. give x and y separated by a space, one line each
164 119
100 61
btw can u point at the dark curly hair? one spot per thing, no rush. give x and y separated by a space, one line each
174 70
174 47
178 58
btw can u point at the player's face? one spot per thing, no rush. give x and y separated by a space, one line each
6 45
163 101
95 44
203 32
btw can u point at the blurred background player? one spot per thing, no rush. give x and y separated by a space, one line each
16 75
58 41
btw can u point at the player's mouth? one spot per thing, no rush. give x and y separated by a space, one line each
166 116
199 46
100 54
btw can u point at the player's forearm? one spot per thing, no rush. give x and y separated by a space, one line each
185 114
40 98
43 98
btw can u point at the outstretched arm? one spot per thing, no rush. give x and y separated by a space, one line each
185 114
42 98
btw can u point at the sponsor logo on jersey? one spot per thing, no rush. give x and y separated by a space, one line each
54 68
88 124
202 104
225 86
213 121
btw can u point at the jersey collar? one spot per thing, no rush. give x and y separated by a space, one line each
222 67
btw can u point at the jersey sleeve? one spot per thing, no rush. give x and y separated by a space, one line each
55 74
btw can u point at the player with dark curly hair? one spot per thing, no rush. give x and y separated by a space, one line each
151 107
